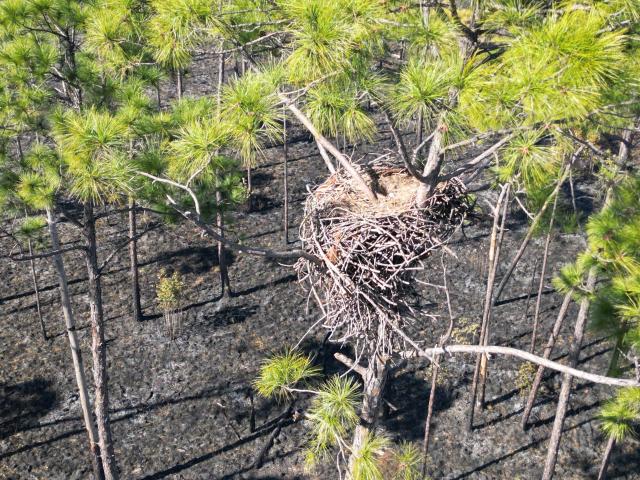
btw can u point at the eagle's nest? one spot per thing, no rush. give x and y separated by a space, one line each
370 253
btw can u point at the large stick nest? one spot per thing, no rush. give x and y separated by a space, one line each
371 253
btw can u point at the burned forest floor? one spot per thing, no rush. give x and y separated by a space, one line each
183 408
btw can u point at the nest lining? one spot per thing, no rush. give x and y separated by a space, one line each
371 251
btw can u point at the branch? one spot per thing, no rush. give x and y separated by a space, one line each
359 369
530 357
124 244
53 253
478 161
402 149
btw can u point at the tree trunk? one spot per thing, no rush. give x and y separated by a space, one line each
494 251
36 288
602 473
527 238
547 243
374 379
179 83
325 157
98 347
136 308
567 380
222 263
435 366
285 153
249 186
433 164
533 393
76 354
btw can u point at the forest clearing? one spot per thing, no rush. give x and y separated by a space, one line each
318 239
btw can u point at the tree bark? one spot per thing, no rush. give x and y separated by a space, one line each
179 83
435 366
567 380
527 238
494 251
222 261
533 393
547 243
285 153
136 308
98 347
36 288
76 354
375 378
602 473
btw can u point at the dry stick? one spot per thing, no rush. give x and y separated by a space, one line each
487 331
435 367
547 243
533 277
527 238
36 288
487 300
76 354
567 380
526 356
611 443
285 152
535 386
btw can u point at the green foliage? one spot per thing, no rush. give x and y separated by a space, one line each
332 415
282 372
407 462
175 29
619 415
170 291
251 109
366 464
335 108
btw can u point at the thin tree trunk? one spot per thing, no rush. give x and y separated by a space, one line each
374 379
527 238
179 83
535 386
222 261
158 98
136 308
574 347
285 152
76 354
99 347
486 313
36 288
249 187
611 443
435 366
547 243
567 380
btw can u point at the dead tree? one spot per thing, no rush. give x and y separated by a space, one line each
499 210
545 256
